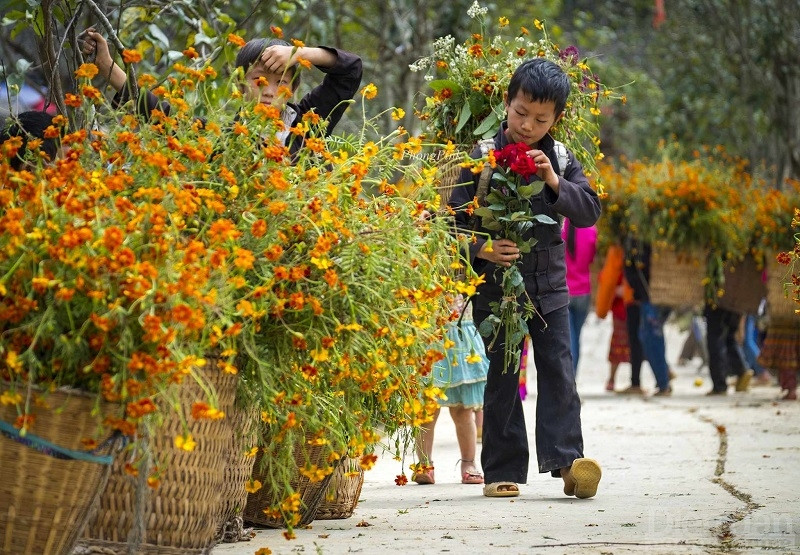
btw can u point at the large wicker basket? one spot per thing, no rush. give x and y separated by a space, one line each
238 468
181 514
676 279
744 287
311 493
45 501
343 491
780 301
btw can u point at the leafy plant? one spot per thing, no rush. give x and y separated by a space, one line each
469 80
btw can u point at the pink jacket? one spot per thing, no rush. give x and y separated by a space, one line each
579 281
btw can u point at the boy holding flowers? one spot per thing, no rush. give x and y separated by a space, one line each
534 102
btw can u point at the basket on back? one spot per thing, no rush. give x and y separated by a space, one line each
46 496
780 299
305 453
343 491
676 279
181 514
744 287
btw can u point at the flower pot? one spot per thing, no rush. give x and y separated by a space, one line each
181 514
47 500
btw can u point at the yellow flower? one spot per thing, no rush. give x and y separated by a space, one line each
8 398
13 362
473 358
370 91
185 443
398 114
538 24
252 486
252 452
449 148
503 21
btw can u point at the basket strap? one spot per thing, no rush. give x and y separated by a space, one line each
51 449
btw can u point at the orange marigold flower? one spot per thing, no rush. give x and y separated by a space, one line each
259 228
202 410
223 230
51 132
368 461
244 259
73 100
476 50
86 70
131 56
236 40
277 31
139 408
298 43
303 62
24 421
401 480
191 53
113 237
274 253
90 92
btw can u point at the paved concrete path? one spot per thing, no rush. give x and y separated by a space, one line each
684 474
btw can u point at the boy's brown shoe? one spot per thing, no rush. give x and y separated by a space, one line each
582 478
743 381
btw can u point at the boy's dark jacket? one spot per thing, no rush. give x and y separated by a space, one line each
544 268
340 84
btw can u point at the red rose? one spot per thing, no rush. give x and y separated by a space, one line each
515 158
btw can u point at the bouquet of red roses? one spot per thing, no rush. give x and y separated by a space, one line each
508 212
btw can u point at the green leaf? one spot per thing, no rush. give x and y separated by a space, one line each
158 35
520 217
492 225
527 191
484 212
441 84
489 123
487 326
463 117
544 219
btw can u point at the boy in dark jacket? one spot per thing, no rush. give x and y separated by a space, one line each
272 77
535 102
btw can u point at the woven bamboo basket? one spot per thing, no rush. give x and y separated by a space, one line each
46 501
779 300
238 466
343 492
676 279
744 288
448 170
311 493
181 514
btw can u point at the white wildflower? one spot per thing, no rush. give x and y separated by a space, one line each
475 10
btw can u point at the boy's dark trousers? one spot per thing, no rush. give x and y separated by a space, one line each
724 354
504 453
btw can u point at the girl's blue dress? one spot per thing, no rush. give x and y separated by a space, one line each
463 382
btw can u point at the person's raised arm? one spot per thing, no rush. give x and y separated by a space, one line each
95 43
